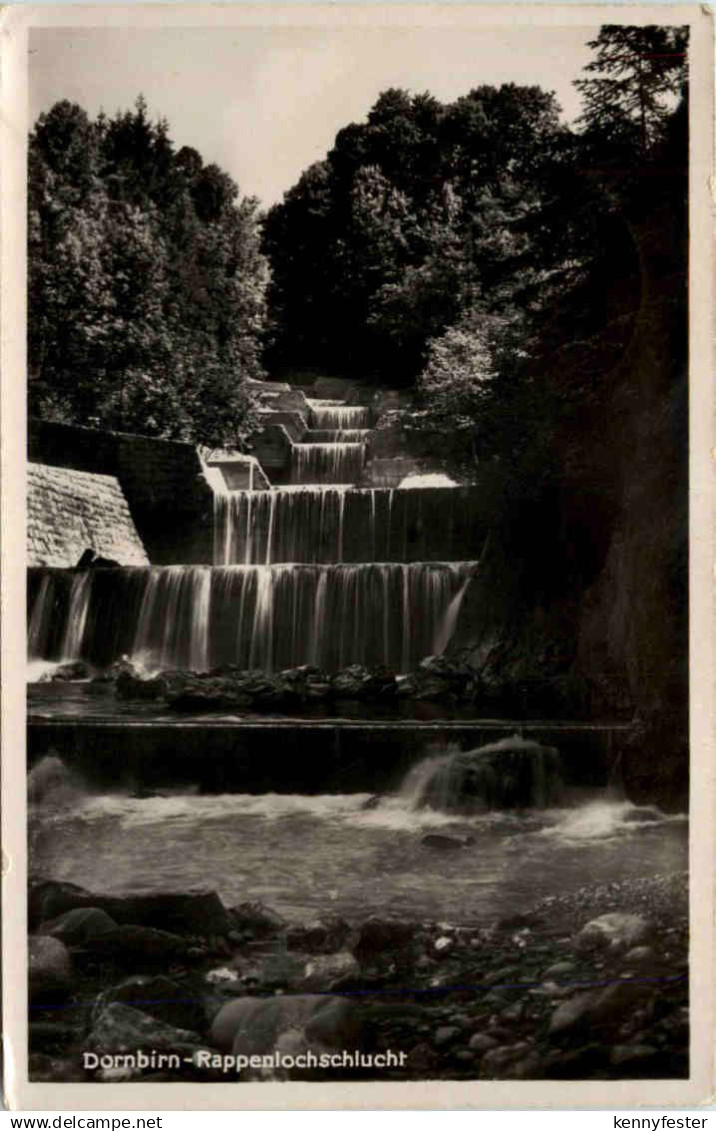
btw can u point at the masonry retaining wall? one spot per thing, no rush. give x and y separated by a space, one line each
71 511
163 481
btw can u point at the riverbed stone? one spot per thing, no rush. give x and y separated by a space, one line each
614 931
49 969
446 842
71 671
281 971
79 926
256 919
129 685
559 970
633 1056
330 971
320 936
378 936
445 1035
481 1043
255 1025
169 1001
597 1007
197 911
129 944
122 1028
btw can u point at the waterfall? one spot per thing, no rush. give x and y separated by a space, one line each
264 616
337 435
314 523
327 463
319 571
447 627
80 590
336 416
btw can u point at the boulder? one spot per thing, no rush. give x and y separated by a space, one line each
163 998
79 926
49 970
197 911
122 666
121 1028
281 971
322 936
512 773
597 1008
330 971
359 682
378 936
129 685
90 559
256 1025
42 1069
47 899
256 919
191 693
614 931
131 944
72 670
444 842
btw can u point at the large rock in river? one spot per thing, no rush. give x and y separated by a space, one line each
614 931
255 1025
121 1028
49 970
77 927
167 1000
197 911
513 773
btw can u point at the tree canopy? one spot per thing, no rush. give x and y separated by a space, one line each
411 217
146 281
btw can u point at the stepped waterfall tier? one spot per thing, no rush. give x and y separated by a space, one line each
335 524
327 463
268 617
333 450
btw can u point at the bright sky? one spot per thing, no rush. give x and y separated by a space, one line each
264 103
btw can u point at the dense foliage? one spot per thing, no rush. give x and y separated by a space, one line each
146 281
412 218
433 235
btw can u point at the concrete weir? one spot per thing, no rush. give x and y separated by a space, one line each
307 756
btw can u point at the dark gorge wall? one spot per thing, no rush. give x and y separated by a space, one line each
584 581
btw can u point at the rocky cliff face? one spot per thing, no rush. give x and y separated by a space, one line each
586 581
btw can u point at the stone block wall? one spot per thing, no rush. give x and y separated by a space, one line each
164 483
70 511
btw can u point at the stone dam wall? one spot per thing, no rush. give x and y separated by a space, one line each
169 498
70 511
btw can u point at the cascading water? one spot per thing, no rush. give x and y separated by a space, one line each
335 415
327 463
338 524
337 435
270 617
319 571
334 448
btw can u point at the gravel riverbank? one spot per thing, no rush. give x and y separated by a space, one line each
587 985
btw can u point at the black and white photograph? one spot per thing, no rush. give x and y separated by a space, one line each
357 521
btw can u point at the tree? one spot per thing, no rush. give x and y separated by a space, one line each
640 73
147 282
382 245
